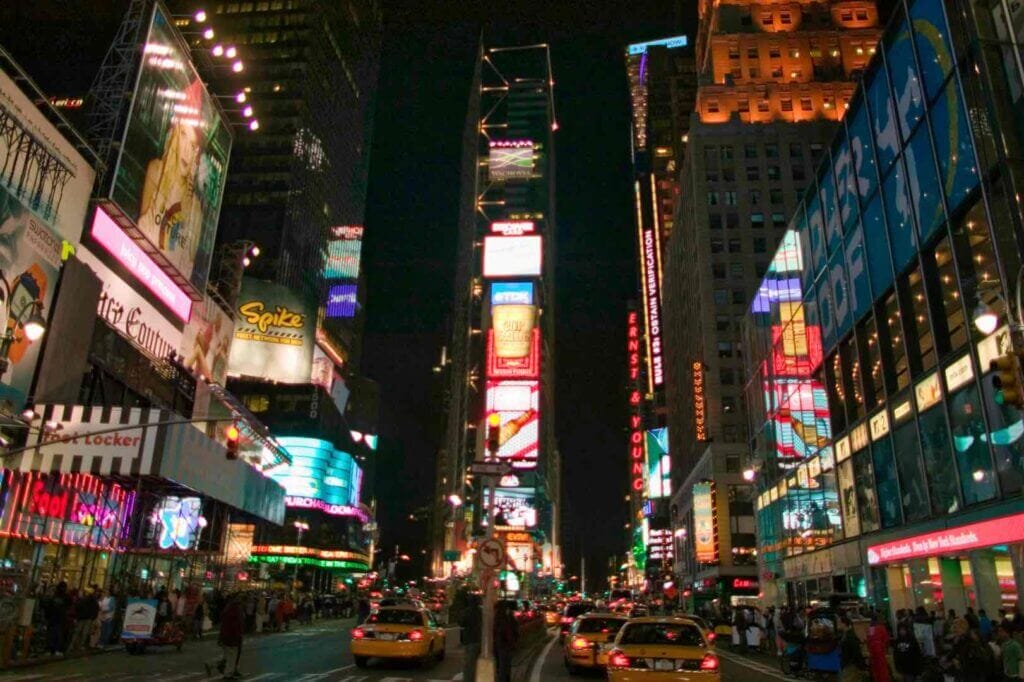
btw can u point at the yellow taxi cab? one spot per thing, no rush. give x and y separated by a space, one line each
706 627
589 640
552 614
662 649
398 632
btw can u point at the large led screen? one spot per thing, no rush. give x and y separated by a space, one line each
319 472
343 252
517 404
510 160
274 334
515 508
341 301
512 256
513 340
659 464
169 175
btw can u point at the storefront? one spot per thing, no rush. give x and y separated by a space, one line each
977 565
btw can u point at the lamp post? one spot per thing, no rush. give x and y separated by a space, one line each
25 313
300 528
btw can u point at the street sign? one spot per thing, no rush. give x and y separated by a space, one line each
491 554
490 468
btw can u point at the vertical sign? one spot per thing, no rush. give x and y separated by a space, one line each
704 522
700 421
650 268
636 433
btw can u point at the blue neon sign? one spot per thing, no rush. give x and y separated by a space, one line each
670 43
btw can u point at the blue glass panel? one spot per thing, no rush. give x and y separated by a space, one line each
924 183
954 146
861 148
825 316
879 265
898 218
906 86
830 209
931 37
846 183
883 118
804 238
816 232
840 293
857 272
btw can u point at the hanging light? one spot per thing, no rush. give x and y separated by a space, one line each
231 52
200 16
247 112
208 34
240 97
237 67
985 319
35 327
218 50
254 125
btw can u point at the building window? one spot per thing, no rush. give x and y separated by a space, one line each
836 391
778 219
775 197
939 466
750 151
729 174
732 221
746 20
721 296
736 74
711 175
723 322
724 351
846 15
787 104
729 198
712 198
711 156
743 105
734 52
794 53
862 15
972 455
799 173
891 511
726 152
777 72
874 386
805 104
774 52
726 376
894 355
920 342
867 500
785 18
755 197
715 221
766 19
734 245
771 150
736 270
751 53
754 72
760 269
760 244
762 106
717 245
757 220
773 173
911 472
796 150
713 106
718 270
950 322
753 173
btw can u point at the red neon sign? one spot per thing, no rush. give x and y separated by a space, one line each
1001 531
633 346
744 584
636 433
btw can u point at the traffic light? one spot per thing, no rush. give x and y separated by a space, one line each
1006 380
231 435
493 432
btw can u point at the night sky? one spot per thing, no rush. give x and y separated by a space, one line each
412 221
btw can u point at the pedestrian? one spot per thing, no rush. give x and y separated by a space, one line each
878 649
984 625
471 624
163 609
261 611
506 636
55 610
924 632
740 624
1012 653
87 611
108 608
972 618
232 624
363 610
851 658
907 655
198 615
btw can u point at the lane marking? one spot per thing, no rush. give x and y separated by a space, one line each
753 665
342 668
260 677
538 663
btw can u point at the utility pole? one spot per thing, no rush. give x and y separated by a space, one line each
485 664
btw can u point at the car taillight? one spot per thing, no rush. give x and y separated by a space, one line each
709 663
711 636
579 643
566 620
617 659
417 635
358 633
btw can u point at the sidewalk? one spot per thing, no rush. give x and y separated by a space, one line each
207 636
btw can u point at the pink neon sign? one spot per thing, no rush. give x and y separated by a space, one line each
119 245
1004 530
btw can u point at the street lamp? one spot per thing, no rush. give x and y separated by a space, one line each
29 317
985 319
749 475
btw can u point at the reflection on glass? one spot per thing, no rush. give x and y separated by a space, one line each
974 461
938 464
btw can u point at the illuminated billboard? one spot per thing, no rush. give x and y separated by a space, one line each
319 477
206 341
510 160
344 248
512 256
513 228
514 508
659 464
341 300
113 239
169 175
274 334
668 43
517 404
513 340
705 536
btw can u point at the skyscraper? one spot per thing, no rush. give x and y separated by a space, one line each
501 357
662 89
774 81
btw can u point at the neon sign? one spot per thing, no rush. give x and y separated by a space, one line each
700 418
650 266
112 238
1001 531
293 550
636 446
633 345
295 501
744 584
513 228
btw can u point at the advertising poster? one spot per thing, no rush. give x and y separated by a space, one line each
206 342
30 260
510 160
659 464
343 252
274 334
517 403
513 341
169 177
512 256
342 300
139 618
705 536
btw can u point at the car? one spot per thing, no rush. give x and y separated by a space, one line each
398 632
662 649
589 640
569 614
552 614
706 627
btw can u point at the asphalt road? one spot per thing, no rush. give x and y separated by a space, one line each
320 652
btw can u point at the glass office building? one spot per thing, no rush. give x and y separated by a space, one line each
885 466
